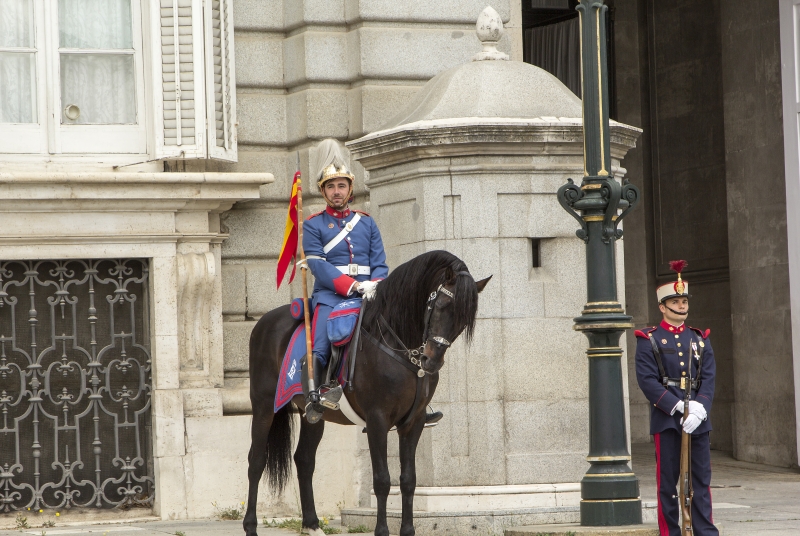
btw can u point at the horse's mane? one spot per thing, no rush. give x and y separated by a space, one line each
402 297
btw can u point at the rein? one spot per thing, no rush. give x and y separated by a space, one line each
411 358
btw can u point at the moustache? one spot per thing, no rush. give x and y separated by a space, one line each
677 312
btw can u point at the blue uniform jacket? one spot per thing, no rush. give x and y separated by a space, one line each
363 246
676 352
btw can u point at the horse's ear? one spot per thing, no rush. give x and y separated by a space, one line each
482 283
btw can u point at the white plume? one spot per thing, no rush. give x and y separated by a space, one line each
329 152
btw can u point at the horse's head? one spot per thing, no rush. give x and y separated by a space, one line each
450 310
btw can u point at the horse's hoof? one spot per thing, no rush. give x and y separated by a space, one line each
312 532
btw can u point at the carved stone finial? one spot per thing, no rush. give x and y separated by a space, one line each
489 29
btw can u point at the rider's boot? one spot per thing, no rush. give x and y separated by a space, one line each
433 417
314 408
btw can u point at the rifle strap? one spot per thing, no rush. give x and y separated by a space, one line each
657 354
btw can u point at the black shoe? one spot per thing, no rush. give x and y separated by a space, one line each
433 418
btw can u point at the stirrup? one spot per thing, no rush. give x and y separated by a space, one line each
313 412
330 399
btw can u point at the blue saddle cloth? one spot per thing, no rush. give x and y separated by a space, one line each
289 383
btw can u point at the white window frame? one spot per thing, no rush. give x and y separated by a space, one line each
49 137
31 138
50 141
101 139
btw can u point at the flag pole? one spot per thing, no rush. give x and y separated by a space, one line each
303 269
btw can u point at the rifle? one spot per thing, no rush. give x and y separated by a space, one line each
686 492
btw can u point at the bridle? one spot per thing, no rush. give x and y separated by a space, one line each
414 355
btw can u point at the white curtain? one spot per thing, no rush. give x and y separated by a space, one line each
17 68
95 24
556 49
102 86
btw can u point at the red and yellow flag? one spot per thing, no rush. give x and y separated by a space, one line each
289 249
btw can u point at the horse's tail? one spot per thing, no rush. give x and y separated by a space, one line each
279 450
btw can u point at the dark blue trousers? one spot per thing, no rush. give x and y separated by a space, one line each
319 334
668 467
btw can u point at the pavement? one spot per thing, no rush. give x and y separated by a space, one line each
749 499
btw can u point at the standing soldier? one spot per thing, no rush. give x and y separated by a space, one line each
664 355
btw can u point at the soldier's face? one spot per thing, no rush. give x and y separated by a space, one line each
675 310
337 192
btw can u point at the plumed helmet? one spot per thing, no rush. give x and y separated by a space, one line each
332 161
674 289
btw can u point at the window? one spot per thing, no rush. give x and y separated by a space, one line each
83 77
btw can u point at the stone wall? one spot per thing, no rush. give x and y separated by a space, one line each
704 82
307 70
764 412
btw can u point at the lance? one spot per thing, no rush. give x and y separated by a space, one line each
303 270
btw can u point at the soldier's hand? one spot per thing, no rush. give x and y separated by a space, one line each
678 407
367 289
696 408
691 423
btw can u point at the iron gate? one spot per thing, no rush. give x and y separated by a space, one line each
75 384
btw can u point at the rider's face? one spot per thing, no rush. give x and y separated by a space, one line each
337 192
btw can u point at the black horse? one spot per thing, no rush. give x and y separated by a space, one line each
424 304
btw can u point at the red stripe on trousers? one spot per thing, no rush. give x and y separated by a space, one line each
314 326
662 522
710 504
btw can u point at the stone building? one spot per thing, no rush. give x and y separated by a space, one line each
712 85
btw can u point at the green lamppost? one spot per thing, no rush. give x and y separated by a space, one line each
609 489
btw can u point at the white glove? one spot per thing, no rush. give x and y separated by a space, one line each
691 423
367 289
678 407
697 409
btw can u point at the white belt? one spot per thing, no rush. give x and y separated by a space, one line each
354 269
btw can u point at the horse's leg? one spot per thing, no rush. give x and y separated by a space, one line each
376 435
305 460
408 474
256 462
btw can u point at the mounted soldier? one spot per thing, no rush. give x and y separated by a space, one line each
672 359
344 251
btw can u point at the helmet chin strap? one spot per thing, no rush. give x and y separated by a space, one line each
347 199
676 312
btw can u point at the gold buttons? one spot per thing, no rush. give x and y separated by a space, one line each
680 353
663 341
679 345
683 373
681 363
677 337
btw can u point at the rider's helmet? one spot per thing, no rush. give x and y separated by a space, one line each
332 163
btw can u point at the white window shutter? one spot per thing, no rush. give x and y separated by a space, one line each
179 79
220 81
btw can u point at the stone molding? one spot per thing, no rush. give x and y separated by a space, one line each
196 274
471 135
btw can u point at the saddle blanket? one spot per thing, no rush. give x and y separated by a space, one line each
289 383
